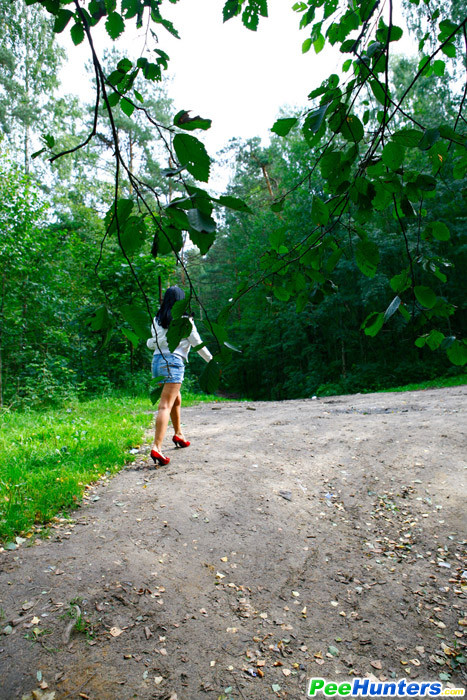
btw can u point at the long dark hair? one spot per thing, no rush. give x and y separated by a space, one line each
164 315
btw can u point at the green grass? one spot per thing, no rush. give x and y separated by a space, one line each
47 457
431 384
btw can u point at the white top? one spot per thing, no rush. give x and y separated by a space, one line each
183 348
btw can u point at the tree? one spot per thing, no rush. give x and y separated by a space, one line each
29 61
372 151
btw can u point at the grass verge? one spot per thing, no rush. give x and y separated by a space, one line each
439 383
48 457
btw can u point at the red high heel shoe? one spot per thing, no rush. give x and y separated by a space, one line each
179 442
159 459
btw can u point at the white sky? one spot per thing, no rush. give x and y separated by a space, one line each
238 78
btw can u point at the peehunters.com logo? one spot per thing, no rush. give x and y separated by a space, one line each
365 688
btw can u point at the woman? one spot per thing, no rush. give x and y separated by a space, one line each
171 366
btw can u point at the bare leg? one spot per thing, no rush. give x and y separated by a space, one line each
175 416
168 397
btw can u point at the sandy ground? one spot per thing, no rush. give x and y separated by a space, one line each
297 539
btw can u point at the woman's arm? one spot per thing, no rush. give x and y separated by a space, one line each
152 342
195 339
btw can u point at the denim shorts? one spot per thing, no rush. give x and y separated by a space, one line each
169 366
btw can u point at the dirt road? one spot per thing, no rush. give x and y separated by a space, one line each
292 540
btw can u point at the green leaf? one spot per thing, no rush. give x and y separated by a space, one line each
167 241
427 183
179 328
157 384
100 319
200 222
178 217
124 209
192 154
457 353
281 293
124 65
399 283
127 107
306 46
179 308
209 379
277 206
201 239
332 261
434 339
404 313
385 33
319 212
231 9
367 257
183 120
277 238
439 68
393 155
373 323
314 119
392 308
379 92
439 230
424 66
132 234
156 17
283 126
77 33
425 296
218 330
233 203
406 209
137 318
115 25
352 128
421 341
407 137
132 337
61 20
113 99
319 43
429 138
449 50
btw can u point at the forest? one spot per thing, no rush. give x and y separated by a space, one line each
316 524
335 269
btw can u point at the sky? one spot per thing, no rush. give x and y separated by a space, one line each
238 78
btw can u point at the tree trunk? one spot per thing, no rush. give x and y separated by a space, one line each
1 339
344 368
27 89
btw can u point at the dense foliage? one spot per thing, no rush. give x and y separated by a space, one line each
335 262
